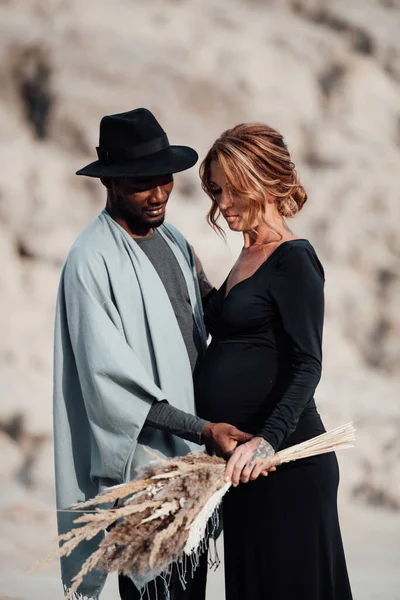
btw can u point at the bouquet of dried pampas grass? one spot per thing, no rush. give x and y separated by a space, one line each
166 515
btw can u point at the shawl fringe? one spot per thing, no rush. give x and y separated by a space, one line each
76 596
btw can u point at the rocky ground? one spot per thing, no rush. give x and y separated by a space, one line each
327 74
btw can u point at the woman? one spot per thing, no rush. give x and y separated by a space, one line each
282 536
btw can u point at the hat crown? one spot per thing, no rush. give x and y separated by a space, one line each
129 129
133 144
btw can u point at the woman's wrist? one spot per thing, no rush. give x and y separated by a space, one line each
263 437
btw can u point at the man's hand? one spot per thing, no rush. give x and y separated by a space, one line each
249 461
223 438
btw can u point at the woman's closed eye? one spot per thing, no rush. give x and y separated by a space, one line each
216 191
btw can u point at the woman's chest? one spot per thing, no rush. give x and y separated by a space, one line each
248 308
244 269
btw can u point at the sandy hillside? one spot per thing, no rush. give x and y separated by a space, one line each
325 73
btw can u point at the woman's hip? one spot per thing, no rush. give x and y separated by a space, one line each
306 486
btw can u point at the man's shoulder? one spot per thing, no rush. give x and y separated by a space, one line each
96 239
91 247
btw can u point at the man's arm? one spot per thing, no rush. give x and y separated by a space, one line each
220 437
205 286
173 420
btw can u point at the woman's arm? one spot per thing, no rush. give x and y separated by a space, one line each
299 298
298 292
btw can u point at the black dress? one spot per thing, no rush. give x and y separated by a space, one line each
281 532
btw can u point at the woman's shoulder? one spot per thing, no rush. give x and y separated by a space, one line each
298 257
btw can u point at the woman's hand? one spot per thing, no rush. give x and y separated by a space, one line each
249 461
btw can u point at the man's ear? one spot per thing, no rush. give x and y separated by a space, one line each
106 183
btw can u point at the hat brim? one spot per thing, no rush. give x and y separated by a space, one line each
173 159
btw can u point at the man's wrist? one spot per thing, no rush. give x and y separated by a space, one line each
206 432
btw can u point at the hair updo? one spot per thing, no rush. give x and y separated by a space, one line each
256 163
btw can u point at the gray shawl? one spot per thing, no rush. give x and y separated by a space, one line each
118 347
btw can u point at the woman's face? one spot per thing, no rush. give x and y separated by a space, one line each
232 208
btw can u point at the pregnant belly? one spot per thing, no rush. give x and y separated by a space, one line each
237 383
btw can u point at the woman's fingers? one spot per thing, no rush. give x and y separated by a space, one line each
238 468
244 465
260 468
235 466
231 464
257 469
246 472
249 467
265 472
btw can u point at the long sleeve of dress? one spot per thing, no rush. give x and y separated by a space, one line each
298 294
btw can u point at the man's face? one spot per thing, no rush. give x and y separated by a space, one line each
140 201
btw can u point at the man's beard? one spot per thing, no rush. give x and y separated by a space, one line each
140 223
135 218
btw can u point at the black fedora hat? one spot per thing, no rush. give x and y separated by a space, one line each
133 144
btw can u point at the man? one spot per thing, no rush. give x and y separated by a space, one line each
128 334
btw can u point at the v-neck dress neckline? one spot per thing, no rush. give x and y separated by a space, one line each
223 287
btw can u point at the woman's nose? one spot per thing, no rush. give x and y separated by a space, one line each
225 201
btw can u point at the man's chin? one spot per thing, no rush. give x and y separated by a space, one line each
156 222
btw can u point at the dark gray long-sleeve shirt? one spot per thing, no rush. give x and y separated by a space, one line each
162 415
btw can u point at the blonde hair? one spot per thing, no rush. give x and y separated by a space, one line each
256 163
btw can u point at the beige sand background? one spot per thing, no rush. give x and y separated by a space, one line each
327 74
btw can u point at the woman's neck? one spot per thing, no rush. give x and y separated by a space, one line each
263 234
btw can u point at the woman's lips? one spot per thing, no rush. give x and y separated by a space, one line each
231 218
